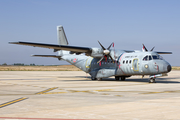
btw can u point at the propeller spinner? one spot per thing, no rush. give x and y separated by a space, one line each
106 52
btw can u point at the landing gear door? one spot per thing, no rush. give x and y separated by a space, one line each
88 64
135 65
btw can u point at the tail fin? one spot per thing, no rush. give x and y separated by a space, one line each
62 39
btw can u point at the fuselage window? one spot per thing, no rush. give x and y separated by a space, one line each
126 61
123 61
130 62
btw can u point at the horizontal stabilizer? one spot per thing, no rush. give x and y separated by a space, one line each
54 56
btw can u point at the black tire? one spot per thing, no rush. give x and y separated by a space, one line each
99 79
92 78
123 78
116 77
152 80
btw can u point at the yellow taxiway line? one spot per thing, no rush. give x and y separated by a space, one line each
12 102
42 92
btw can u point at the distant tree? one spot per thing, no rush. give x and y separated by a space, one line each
4 64
32 64
19 64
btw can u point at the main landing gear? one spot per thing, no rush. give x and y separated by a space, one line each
122 78
93 78
98 79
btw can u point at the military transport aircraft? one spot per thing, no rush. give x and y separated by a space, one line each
103 63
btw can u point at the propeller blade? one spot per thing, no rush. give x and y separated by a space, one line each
101 46
109 46
111 58
145 48
152 48
100 59
106 52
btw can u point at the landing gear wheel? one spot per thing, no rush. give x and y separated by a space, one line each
116 77
152 80
92 78
99 79
123 78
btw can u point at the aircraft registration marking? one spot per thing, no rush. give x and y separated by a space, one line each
12 102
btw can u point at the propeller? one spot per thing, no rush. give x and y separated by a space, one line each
145 49
106 52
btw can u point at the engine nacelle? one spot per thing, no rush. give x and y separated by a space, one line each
96 53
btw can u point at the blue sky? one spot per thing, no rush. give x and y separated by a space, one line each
127 23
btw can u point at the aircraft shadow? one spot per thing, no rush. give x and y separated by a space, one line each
146 80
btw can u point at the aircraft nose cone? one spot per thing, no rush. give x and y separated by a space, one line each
169 68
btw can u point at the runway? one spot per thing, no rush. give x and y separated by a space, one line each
72 95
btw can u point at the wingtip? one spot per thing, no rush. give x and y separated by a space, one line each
13 42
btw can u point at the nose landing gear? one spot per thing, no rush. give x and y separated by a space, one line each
152 80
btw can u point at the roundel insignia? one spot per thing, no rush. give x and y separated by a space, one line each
146 66
74 60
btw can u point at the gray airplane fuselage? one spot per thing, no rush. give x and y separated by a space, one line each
126 64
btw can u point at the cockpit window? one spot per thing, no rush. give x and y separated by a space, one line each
150 58
160 57
155 57
145 58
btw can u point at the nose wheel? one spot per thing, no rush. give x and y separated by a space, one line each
152 80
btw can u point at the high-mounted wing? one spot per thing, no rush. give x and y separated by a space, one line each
56 47
145 50
163 52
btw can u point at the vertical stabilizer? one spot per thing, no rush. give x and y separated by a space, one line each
62 39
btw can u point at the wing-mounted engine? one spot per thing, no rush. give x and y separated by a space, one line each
95 52
104 53
101 52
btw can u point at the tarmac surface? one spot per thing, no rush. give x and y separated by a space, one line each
72 95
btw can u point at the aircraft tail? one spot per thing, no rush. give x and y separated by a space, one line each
62 39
